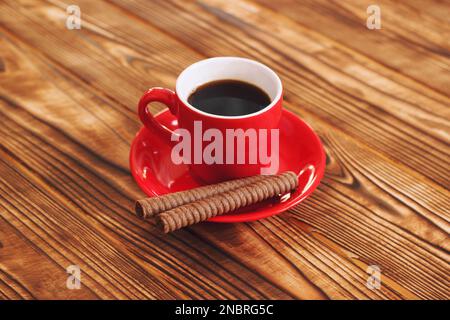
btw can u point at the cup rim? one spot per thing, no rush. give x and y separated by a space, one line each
279 88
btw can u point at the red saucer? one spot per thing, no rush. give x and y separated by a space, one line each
300 151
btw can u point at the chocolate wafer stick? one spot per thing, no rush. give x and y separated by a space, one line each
149 207
226 202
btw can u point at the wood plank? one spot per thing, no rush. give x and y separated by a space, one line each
437 9
409 24
32 273
319 250
402 54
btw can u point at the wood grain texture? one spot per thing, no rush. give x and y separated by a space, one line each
378 99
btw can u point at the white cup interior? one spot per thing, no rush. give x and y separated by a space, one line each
228 68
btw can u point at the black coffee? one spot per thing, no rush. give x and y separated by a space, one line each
229 98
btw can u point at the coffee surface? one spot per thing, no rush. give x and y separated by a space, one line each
229 98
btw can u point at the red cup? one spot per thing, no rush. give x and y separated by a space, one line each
198 74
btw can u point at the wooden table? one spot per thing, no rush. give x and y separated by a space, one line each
379 100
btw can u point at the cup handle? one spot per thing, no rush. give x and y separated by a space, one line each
165 96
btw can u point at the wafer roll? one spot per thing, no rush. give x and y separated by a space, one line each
149 207
226 202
